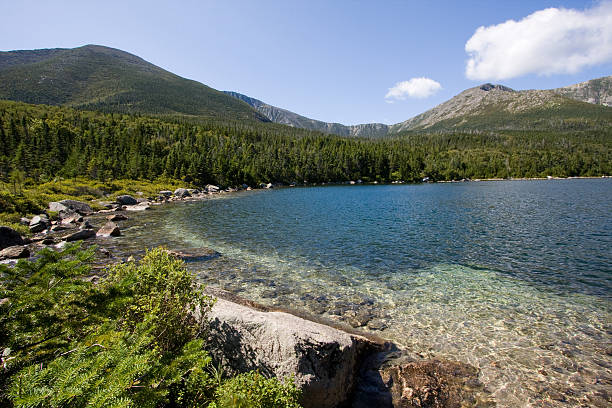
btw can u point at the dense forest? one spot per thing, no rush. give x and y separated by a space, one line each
42 142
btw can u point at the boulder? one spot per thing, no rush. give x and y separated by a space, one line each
57 206
269 185
212 188
323 360
80 234
9 237
110 229
117 217
73 219
39 223
77 206
86 225
14 252
165 193
393 379
139 207
126 200
24 221
182 193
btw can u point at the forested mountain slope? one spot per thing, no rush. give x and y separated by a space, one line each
43 142
101 78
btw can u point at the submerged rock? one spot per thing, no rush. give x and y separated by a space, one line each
397 380
117 217
110 229
9 237
323 360
80 235
194 254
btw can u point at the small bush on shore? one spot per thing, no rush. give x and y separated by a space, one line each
253 390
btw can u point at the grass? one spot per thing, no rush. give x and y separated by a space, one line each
33 198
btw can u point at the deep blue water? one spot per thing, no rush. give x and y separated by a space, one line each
554 233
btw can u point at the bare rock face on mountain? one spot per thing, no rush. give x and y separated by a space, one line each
285 117
324 360
596 91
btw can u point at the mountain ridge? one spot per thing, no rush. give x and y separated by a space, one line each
457 113
94 77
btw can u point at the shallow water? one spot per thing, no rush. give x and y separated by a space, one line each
513 277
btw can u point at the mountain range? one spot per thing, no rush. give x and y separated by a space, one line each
94 77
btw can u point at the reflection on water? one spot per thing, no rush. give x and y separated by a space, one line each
512 277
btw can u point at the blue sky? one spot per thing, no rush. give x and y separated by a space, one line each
328 60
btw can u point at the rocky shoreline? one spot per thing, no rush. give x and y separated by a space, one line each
334 365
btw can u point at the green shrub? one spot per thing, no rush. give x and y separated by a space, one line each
160 286
129 341
253 390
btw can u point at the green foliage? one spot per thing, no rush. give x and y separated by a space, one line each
81 146
253 390
162 290
47 304
129 341
19 204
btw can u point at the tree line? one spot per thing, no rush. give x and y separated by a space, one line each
42 142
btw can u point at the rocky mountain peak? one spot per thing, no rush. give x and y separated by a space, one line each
488 87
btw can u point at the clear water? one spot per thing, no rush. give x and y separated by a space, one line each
513 277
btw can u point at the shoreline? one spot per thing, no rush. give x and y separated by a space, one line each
219 293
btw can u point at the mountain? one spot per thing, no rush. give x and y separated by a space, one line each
94 77
285 117
496 107
100 78
485 107
597 91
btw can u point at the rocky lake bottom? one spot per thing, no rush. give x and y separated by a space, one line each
510 277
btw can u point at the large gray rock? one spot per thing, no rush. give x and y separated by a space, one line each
212 188
57 206
74 205
182 193
323 360
15 252
9 237
110 229
165 193
39 223
126 200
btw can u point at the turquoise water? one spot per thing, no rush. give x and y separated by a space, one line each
513 277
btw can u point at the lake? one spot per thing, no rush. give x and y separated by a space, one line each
513 277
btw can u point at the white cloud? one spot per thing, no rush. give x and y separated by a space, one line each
413 88
549 41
